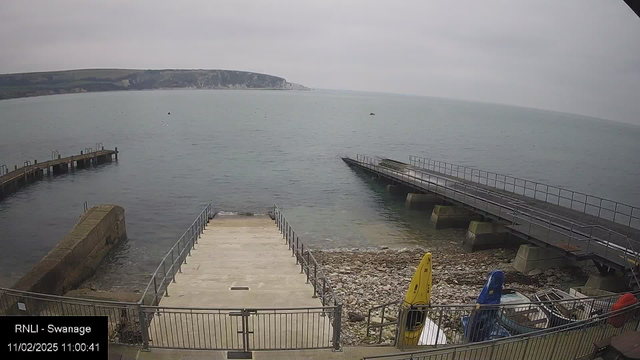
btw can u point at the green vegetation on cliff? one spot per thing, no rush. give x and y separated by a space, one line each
89 80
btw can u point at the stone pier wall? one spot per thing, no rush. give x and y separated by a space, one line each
79 253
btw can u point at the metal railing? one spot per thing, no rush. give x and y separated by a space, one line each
315 275
540 225
570 341
232 329
242 329
308 264
615 211
383 316
609 244
172 262
447 327
123 318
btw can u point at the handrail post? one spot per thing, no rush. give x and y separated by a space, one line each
337 325
308 264
179 254
439 324
142 320
315 281
155 287
302 259
402 320
324 290
173 263
164 278
293 248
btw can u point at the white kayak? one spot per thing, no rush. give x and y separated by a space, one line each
431 333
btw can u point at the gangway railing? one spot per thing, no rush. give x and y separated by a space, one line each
446 318
570 341
615 211
494 180
176 256
507 210
322 287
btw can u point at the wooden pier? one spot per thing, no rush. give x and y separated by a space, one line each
580 232
11 181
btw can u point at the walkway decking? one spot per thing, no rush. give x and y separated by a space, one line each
238 251
578 235
241 262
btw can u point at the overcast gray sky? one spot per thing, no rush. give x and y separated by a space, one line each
578 56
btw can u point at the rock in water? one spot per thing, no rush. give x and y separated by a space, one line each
371 114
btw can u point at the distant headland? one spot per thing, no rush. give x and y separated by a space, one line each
91 80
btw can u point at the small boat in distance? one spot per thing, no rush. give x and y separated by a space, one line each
521 317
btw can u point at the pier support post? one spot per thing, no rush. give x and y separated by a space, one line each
421 201
116 153
486 235
446 217
608 282
397 190
531 257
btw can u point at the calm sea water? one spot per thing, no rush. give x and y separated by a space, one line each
245 150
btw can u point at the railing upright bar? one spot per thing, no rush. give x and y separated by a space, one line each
315 280
337 326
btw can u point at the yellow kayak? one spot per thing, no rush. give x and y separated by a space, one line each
418 294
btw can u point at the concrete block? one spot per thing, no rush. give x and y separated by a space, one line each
485 235
421 201
444 217
531 257
614 283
